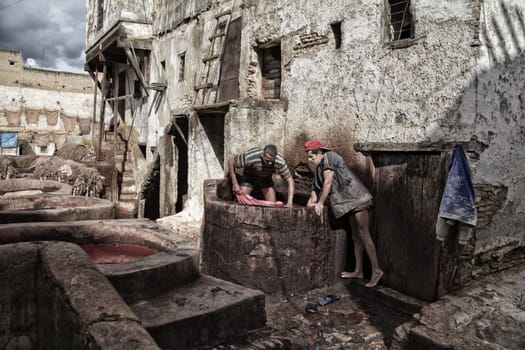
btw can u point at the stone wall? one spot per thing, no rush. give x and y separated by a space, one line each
54 298
46 108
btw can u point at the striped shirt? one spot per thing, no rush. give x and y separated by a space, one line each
252 163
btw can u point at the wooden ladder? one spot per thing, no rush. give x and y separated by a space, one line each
207 89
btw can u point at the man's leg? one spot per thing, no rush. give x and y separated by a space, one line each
358 252
360 222
246 189
269 194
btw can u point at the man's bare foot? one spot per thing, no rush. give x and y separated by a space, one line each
346 274
376 276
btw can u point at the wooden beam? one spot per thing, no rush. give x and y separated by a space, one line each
102 112
436 147
94 76
119 98
136 68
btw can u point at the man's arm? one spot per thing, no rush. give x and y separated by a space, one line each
312 200
327 187
291 191
235 184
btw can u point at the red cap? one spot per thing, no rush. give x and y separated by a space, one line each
314 144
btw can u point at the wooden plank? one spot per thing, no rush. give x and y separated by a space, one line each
136 68
435 147
102 112
407 195
230 63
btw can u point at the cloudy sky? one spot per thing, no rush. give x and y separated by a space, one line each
50 32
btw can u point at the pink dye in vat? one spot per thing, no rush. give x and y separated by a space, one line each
115 253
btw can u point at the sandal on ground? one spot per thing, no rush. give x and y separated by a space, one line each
328 299
311 308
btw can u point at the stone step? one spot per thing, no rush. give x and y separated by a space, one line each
107 146
128 198
154 275
126 209
128 187
203 312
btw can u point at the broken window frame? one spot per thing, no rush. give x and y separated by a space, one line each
269 82
398 27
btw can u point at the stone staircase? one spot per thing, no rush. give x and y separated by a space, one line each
123 191
180 307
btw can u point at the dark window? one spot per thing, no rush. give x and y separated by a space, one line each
271 71
336 29
400 20
100 14
182 66
137 89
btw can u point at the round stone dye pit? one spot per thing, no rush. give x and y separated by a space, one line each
22 187
137 256
265 248
116 253
47 207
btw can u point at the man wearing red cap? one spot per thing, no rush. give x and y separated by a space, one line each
334 180
255 167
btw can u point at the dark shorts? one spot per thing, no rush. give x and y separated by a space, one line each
254 181
362 207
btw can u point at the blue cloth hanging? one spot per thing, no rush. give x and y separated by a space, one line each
9 140
458 204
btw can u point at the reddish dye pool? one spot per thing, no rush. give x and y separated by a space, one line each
116 253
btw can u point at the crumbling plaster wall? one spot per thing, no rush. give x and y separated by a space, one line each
357 93
115 11
176 101
492 110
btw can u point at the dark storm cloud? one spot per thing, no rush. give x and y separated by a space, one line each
52 33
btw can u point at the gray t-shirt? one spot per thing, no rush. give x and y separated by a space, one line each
348 192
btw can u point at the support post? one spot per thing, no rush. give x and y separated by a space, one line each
102 112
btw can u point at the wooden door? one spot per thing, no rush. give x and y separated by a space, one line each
230 63
407 188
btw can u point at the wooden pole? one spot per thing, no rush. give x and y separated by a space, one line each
102 112
94 76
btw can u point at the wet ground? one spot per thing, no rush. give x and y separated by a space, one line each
351 322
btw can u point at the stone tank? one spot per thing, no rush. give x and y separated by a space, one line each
270 249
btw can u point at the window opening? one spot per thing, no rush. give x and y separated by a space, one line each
400 20
182 66
137 89
100 14
336 29
271 72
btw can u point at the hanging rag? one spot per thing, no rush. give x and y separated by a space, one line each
458 204
9 140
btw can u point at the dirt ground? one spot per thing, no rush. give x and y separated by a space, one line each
352 322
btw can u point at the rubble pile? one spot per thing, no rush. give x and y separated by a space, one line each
86 181
7 170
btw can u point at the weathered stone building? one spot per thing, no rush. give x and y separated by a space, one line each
390 85
44 108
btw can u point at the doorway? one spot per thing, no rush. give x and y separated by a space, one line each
407 189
